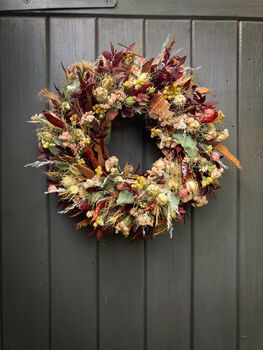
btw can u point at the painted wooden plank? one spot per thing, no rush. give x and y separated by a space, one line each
168 260
25 277
208 8
215 226
251 155
73 254
121 288
11 5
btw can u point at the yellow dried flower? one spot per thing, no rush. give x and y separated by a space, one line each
155 132
153 190
161 199
98 222
100 111
73 119
206 181
127 84
98 170
139 183
173 184
171 91
73 189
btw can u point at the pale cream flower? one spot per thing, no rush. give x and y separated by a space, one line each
211 132
199 201
179 100
87 117
216 173
111 162
191 186
145 219
101 94
68 181
161 199
123 228
90 213
222 135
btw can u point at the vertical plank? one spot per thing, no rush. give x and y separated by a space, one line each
251 155
121 310
168 260
215 288
73 254
25 263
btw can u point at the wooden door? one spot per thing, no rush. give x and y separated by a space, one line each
201 290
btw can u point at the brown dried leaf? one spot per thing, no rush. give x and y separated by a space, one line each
146 67
171 44
224 150
48 95
82 223
98 149
88 173
204 90
159 107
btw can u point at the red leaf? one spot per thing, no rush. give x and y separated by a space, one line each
111 115
187 84
99 235
76 214
53 182
107 55
112 48
54 120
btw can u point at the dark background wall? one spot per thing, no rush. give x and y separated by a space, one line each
201 290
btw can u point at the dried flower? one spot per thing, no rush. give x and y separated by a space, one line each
111 162
179 100
161 199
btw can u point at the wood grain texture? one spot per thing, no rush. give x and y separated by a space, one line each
168 260
10 5
121 269
25 278
215 226
193 8
251 156
73 254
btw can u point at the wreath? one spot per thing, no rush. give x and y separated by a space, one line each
184 125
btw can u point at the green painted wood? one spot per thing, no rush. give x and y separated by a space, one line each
251 155
215 225
25 278
73 254
168 260
121 264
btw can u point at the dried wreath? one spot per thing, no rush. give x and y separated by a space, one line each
73 134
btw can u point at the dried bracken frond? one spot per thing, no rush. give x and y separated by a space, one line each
224 150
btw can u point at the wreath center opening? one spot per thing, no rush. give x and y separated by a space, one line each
131 143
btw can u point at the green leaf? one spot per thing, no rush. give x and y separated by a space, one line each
73 86
173 201
188 143
125 197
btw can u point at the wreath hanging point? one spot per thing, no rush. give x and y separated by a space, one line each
186 128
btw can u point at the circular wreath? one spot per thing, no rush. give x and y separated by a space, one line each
73 133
